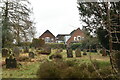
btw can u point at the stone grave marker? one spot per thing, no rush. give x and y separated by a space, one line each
69 53
5 52
16 51
31 54
78 52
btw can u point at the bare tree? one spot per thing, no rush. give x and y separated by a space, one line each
16 19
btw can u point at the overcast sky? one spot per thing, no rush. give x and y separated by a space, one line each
58 16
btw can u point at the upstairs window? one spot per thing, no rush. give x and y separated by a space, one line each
75 39
78 38
52 39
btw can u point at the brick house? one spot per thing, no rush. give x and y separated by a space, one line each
74 37
61 38
48 37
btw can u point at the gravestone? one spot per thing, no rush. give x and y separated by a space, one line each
16 51
69 53
5 52
31 55
11 62
78 52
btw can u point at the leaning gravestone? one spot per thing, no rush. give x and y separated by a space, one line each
5 52
78 52
31 55
11 62
69 53
16 51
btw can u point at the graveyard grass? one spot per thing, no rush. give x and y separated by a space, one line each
29 69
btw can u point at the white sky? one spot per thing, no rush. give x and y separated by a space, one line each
58 16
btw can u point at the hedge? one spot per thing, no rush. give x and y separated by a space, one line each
56 45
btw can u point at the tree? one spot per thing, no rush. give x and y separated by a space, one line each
6 33
95 15
103 18
16 23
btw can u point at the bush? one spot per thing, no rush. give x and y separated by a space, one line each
75 46
71 72
116 59
106 72
48 70
71 69
71 63
56 45
96 64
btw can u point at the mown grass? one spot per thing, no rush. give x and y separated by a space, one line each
29 69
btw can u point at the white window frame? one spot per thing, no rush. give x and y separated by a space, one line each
75 38
47 39
78 38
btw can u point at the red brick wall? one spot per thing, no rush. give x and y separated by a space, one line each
76 33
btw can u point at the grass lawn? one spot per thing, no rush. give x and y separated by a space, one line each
26 71
29 69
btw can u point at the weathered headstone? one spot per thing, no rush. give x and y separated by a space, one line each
31 55
5 52
16 51
78 52
69 53
11 62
